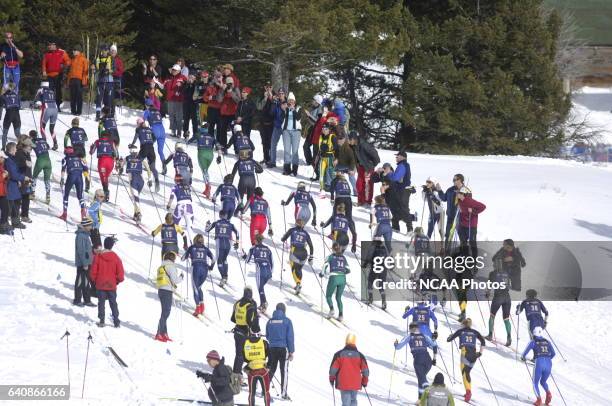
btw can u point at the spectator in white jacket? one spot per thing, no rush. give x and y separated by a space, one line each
292 134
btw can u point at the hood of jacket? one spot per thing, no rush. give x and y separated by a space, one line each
278 315
107 256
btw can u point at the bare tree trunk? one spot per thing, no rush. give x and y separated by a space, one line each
356 119
280 73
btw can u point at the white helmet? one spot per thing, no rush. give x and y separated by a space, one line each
179 146
237 128
537 332
464 190
44 84
133 148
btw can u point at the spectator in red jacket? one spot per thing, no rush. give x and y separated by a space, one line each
316 134
468 220
349 371
118 70
228 96
174 95
106 273
54 62
228 71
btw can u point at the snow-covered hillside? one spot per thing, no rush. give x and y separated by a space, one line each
526 198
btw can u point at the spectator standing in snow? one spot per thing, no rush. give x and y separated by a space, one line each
106 273
219 392
349 371
292 135
54 62
279 332
174 94
83 260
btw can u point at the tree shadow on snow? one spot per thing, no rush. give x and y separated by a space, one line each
57 258
603 230
69 312
389 327
49 291
504 395
191 365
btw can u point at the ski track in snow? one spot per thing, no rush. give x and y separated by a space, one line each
527 199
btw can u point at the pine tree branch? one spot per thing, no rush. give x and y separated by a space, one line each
362 67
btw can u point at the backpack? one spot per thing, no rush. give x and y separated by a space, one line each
235 383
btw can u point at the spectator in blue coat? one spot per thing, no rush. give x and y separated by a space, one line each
16 179
279 332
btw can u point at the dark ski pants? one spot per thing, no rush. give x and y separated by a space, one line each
77 182
422 365
25 205
467 239
276 356
147 151
190 115
104 95
239 339
76 97
81 286
4 210
11 118
111 296
94 236
223 249
213 118
262 377
266 140
55 83
200 272
246 186
224 125
165 299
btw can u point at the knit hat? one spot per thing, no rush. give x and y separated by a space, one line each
248 293
318 98
86 222
109 242
77 47
237 128
113 48
229 79
228 66
438 379
291 96
247 90
213 355
281 307
176 67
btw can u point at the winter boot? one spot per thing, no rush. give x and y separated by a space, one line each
286 169
5 228
207 191
294 170
17 223
538 402
64 215
25 219
54 143
83 212
468 396
548 398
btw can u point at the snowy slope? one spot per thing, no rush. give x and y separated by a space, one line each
527 199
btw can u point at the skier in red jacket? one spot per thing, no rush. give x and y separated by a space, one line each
468 220
349 371
106 273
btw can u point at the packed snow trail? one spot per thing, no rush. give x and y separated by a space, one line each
527 199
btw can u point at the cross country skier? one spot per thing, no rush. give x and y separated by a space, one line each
206 149
422 362
261 255
182 162
246 167
146 138
198 254
255 353
436 211
279 332
95 213
422 314
501 298
183 210
244 315
379 276
336 267
169 235
303 200
229 196
241 142
467 344
426 286
154 118
134 165
106 153
220 391
380 221
77 137
297 251
328 145
167 280
43 163
102 70
223 235
543 353
260 214
45 99
534 308
74 167
340 226
349 371
108 124
340 191
12 103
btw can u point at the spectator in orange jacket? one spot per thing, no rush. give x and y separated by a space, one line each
106 273
54 62
78 78
349 371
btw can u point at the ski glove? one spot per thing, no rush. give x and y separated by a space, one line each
314 222
523 359
433 362
449 339
435 336
310 258
518 309
150 183
332 381
167 208
270 232
218 160
204 375
354 248
236 245
283 203
322 224
244 257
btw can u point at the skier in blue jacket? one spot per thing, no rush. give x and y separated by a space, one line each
421 314
199 253
279 332
422 362
543 353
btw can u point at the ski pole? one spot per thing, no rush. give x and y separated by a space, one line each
531 379
333 393
489 381
556 346
391 377
518 324
368 395
274 386
240 265
199 200
155 204
452 346
89 340
117 190
423 211
151 257
214 293
283 252
445 367
67 335
66 125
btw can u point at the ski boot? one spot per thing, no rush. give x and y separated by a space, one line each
298 288
538 402
54 143
48 198
461 316
548 398
160 337
64 215
468 396
223 282
157 186
384 302
5 228
100 324
207 191
508 341
16 223
331 313
166 338
137 216
489 337
83 212
263 307
340 317
370 298
286 397
106 196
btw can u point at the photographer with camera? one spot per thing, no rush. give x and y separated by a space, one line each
266 106
229 98
215 86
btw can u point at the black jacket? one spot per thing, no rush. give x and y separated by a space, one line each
252 317
366 154
220 383
246 109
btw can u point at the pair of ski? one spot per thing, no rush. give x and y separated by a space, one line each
307 300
